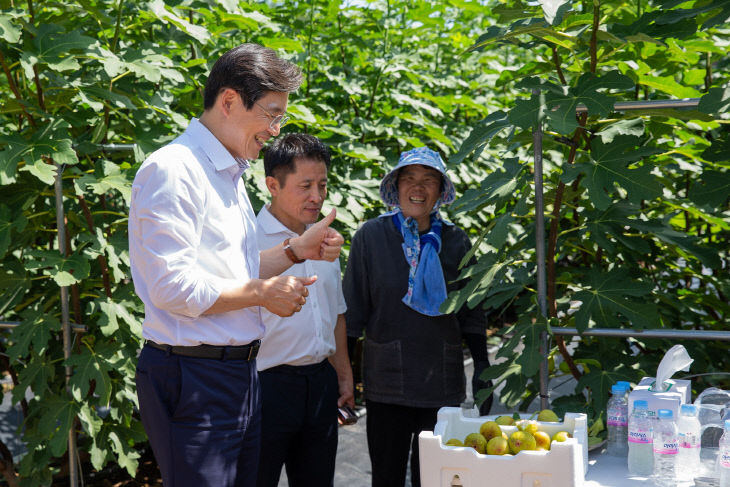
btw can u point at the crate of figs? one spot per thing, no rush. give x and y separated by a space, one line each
520 450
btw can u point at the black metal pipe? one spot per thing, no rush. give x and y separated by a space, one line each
540 256
73 476
622 106
9 325
630 333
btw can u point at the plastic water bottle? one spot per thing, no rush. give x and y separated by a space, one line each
688 428
666 448
723 458
627 387
641 455
617 411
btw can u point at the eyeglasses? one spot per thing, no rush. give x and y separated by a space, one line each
279 120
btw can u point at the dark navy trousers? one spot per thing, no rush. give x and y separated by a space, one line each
299 425
392 433
202 417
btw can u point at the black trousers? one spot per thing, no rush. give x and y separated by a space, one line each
392 433
202 417
299 425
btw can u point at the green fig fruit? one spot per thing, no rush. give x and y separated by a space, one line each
548 416
497 446
490 429
504 420
521 440
561 436
527 425
542 440
476 441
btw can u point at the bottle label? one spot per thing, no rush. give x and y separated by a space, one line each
725 459
617 420
639 437
666 447
688 440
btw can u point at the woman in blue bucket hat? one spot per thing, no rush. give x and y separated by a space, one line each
400 269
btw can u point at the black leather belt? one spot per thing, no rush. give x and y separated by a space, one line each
216 352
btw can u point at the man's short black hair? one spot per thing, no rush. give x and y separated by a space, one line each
280 156
251 70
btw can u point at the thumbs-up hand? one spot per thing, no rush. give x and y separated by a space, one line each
319 242
285 295
330 248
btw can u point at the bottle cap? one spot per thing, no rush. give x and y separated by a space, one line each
665 413
688 410
617 389
625 384
641 404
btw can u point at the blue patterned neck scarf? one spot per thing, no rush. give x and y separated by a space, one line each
426 284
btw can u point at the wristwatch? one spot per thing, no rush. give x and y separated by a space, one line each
290 253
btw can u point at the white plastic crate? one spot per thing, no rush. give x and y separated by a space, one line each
564 465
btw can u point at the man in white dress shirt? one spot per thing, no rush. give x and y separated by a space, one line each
197 267
303 363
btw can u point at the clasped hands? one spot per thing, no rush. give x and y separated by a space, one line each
285 295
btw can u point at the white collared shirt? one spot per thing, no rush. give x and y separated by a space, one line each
307 337
192 234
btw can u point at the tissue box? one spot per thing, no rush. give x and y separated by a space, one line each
679 392
564 465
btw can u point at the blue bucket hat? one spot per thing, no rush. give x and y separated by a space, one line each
425 157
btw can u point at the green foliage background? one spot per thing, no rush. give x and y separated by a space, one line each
638 201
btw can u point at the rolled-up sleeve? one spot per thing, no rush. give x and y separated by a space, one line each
167 214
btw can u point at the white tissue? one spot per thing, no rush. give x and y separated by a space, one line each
674 360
